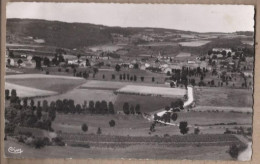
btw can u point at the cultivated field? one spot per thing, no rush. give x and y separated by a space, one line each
147 103
222 97
152 91
183 55
58 84
137 151
196 43
23 91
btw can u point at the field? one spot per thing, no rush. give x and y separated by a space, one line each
142 151
158 44
27 91
196 43
222 97
105 47
153 91
58 84
183 55
147 103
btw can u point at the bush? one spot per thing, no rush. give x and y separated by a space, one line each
99 131
233 151
112 123
196 131
84 127
21 139
67 70
38 143
47 72
58 141
59 69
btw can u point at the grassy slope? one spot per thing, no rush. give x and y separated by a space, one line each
57 85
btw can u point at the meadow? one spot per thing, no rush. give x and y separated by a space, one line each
222 97
132 152
23 91
196 43
147 103
59 84
154 91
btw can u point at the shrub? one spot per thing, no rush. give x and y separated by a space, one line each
99 131
59 69
233 151
47 72
112 123
84 127
21 139
38 143
196 131
67 70
58 141
183 127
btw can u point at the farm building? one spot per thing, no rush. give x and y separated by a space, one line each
222 49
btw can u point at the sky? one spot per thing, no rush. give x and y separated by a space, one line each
199 18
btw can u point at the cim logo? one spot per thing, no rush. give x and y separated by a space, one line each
14 151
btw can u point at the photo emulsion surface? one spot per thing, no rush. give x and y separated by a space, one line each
132 81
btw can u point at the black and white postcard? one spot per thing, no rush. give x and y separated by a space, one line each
129 81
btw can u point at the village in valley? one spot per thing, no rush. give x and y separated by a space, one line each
127 90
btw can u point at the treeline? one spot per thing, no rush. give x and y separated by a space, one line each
68 106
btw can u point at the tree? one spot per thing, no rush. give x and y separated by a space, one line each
137 109
117 67
99 131
103 107
233 151
196 131
132 109
46 61
91 106
78 56
183 127
111 109
174 116
78 108
120 77
19 62
8 62
32 103
136 66
38 61
152 79
87 62
112 123
142 78
126 108
13 98
113 76
103 76
135 78
45 106
7 92
84 127
97 107
39 113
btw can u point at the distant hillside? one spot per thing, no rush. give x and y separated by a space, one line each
69 35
